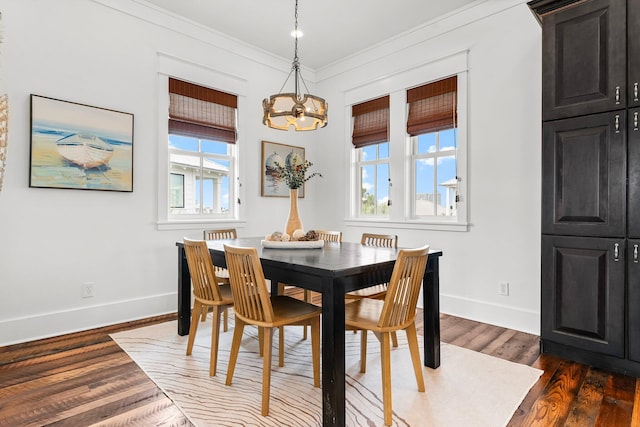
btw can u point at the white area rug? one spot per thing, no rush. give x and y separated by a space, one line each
469 389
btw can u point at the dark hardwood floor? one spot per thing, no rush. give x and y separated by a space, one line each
85 379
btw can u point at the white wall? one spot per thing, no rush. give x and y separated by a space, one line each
100 53
504 103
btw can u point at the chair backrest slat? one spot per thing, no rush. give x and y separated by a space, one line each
404 287
248 285
329 236
220 234
203 277
383 240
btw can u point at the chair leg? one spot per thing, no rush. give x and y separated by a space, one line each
315 350
307 298
226 320
281 346
235 349
385 357
215 338
266 370
412 339
363 350
394 339
205 310
260 340
195 316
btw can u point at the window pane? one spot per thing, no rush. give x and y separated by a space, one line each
176 196
382 189
367 199
426 143
447 185
425 189
183 143
448 139
214 147
215 186
369 152
383 150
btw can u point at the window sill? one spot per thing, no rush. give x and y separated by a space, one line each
199 224
407 224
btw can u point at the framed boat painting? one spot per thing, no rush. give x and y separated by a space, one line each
77 146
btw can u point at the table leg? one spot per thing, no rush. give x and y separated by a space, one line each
431 313
333 354
184 294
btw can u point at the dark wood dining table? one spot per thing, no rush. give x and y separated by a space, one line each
333 270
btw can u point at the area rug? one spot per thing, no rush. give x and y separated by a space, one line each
469 389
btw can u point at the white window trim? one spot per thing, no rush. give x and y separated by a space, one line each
169 65
401 167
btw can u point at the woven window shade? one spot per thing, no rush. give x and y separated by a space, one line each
370 122
201 112
433 107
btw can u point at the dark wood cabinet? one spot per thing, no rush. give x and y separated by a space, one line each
590 260
633 173
583 293
633 31
633 297
584 51
584 176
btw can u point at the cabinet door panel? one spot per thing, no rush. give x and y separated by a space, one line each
583 293
633 159
633 30
584 176
584 59
633 284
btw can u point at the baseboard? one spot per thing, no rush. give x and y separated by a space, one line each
494 314
45 325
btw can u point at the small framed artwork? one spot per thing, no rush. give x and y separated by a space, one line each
77 146
273 153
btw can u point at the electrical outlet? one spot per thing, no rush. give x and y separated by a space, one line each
87 289
503 289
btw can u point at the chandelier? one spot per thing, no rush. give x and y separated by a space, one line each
300 111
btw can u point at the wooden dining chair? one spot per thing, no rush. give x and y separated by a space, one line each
327 236
377 291
207 292
254 306
379 240
396 312
221 273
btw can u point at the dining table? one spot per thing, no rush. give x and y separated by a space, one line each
333 269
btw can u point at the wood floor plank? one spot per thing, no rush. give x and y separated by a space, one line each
552 408
587 405
617 405
549 365
635 418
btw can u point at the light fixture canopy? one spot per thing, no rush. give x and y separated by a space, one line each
295 110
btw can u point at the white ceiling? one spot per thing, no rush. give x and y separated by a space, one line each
333 29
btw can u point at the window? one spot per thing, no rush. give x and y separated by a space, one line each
373 182
371 141
202 136
203 168
419 145
435 178
432 125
